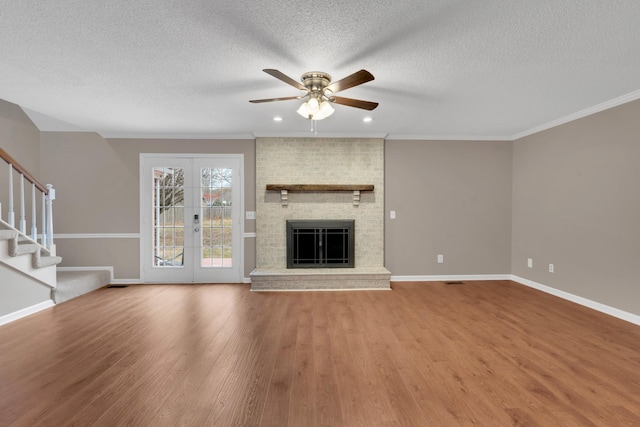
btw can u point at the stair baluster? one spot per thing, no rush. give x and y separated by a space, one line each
34 222
43 219
12 217
51 196
23 221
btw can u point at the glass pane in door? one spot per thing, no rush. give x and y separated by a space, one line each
168 217
216 191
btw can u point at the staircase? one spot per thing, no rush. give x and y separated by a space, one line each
29 280
72 284
30 258
26 256
27 275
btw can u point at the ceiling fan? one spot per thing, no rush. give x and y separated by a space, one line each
320 92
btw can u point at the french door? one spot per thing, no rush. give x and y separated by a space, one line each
191 212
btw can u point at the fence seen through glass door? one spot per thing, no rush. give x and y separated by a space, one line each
216 220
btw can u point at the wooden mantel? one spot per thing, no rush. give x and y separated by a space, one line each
284 189
320 187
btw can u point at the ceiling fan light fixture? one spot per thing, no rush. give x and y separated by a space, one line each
314 111
325 111
304 111
313 105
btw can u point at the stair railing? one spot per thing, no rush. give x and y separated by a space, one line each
47 195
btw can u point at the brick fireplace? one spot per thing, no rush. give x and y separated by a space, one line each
329 168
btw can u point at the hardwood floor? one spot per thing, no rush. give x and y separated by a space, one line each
423 354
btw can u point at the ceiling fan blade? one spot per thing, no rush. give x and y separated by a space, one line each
286 98
358 103
354 79
281 76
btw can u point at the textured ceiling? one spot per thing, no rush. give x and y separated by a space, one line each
443 68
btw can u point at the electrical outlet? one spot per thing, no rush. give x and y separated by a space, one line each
530 262
440 258
551 268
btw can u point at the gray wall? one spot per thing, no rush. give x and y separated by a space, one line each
576 204
18 291
97 182
451 198
20 138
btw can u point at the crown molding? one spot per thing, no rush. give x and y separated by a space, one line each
579 114
448 138
379 135
183 136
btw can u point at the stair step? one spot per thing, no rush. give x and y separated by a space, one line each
72 284
19 245
8 234
46 261
25 249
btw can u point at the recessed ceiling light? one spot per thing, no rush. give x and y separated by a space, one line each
277 119
367 119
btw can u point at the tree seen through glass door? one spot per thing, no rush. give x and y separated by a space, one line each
168 217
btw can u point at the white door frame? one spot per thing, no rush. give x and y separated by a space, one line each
145 229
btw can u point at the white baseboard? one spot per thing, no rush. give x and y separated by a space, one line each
8 318
321 290
126 282
139 282
611 311
451 278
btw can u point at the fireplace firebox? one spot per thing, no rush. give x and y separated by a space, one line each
320 244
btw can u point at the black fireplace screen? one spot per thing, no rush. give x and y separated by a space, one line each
320 244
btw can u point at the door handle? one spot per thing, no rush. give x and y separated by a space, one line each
196 229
